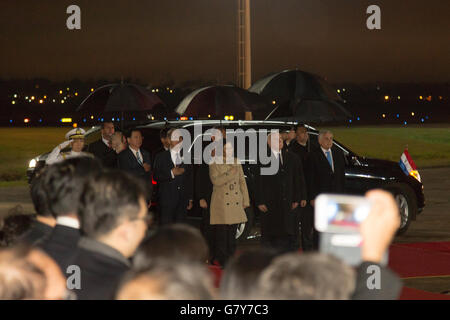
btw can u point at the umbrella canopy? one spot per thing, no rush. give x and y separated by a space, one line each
218 101
302 95
317 111
120 98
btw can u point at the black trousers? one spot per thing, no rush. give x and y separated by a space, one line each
173 212
223 238
308 232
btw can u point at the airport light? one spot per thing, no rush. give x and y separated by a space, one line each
26 120
66 120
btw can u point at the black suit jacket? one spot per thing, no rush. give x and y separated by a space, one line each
278 192
102 269
106 154
323 179
128 162
38 233
172 190
303 153
62 245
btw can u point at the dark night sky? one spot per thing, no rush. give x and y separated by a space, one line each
196 39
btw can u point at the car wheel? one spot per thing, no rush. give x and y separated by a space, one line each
243 229
407 204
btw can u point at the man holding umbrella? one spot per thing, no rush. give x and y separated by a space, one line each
102 148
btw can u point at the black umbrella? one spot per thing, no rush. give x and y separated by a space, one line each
301 95
122 98
219 101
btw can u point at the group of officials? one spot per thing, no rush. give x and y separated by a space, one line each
285 199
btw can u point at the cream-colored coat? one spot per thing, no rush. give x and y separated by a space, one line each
230 194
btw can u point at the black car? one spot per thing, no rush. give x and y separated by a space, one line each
361 173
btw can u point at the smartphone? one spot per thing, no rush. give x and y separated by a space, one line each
337 218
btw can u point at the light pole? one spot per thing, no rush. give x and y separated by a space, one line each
244 48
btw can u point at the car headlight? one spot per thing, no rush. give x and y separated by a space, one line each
32 163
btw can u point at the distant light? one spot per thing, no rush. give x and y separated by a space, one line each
134 119
405 123
66 120
343 89
45 97
10 121
165 118
183 118
178 119
32 97
191 118
426 117
62 101
40 120
113 119
65 98
26 120
422 120
13 102
15 96
398 116
68 89
398 97
84 119
92 89
60 91
357 118
92 117
231 118
386 98
41 101
101 119
338 91
429 98
209 116
412 113
350 120
440 97
26 98
54 100
226 117
76 93
157 90
75 125
420 97
171 91
384 116
153 90
274 102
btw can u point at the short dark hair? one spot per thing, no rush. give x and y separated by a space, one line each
311 276
163 133
242 272
102 124
129 132
300 125
64 182
107 199
178 241
38 194
13 227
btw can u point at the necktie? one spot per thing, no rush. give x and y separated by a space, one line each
328 153
139 158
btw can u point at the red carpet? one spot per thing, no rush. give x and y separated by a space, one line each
420 259
415 294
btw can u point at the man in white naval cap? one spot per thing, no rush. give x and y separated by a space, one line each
74 138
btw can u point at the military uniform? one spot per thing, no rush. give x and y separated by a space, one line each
57 156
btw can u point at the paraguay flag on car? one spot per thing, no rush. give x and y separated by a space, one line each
408 166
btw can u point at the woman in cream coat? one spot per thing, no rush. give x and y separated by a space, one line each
228 201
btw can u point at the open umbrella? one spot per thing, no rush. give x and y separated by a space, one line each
218 101
123 99
301 95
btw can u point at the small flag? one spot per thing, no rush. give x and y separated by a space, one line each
408 166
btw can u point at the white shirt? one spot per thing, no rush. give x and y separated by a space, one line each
331 154
68 222
105 142
277 155
173 156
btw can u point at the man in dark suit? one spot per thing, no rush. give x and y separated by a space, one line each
114 220
301 147
63 184
102 149
136 160
175 181
277 196
327 170
165 144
